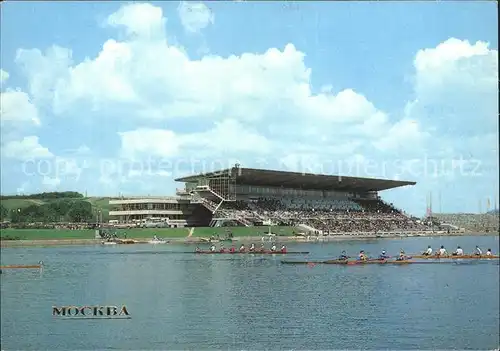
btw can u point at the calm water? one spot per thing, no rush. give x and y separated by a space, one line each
184 301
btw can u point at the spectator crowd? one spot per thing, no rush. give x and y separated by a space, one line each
325 215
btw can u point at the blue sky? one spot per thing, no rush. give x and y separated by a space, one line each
121 98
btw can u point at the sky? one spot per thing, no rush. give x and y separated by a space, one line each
111 98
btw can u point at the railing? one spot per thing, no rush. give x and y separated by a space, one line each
219 205
209 204
209 189
244 221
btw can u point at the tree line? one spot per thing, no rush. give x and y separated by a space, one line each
46 196
61 207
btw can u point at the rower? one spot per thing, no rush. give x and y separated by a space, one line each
222 249
212 248
262 247
155 238
442 251
343 256
383 255
428 252
197 249
242 248
489 253
232 249
252 248
478 251
362 256
273 248
283 249
458 251
402 256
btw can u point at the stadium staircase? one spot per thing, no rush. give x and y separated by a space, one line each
208 190
216 207
210 205
221 213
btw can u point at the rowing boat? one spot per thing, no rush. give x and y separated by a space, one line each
467 257
254 252
355 263
15 266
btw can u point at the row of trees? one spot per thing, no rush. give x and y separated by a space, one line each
57 211
46 196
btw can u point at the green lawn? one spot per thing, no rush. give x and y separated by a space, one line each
14 204
48 234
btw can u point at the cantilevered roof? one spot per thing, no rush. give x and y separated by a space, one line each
262 177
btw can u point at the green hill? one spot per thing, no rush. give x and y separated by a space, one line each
53 205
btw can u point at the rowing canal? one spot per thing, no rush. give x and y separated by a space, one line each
187 301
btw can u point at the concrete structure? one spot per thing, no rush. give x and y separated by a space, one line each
208 199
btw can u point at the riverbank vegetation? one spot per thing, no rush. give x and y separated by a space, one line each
53 207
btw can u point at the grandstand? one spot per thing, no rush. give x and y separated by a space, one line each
249 197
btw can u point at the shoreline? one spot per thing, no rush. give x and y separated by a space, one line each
241 239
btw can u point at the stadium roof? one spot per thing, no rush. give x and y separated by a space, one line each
261 177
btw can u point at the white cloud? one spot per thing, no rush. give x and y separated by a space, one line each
155 80
195 16
141 20
150 142
456 83
45 72
27 148
15 107
402 136
4 75
228 136
254 97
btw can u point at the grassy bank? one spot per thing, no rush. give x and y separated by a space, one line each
54 234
